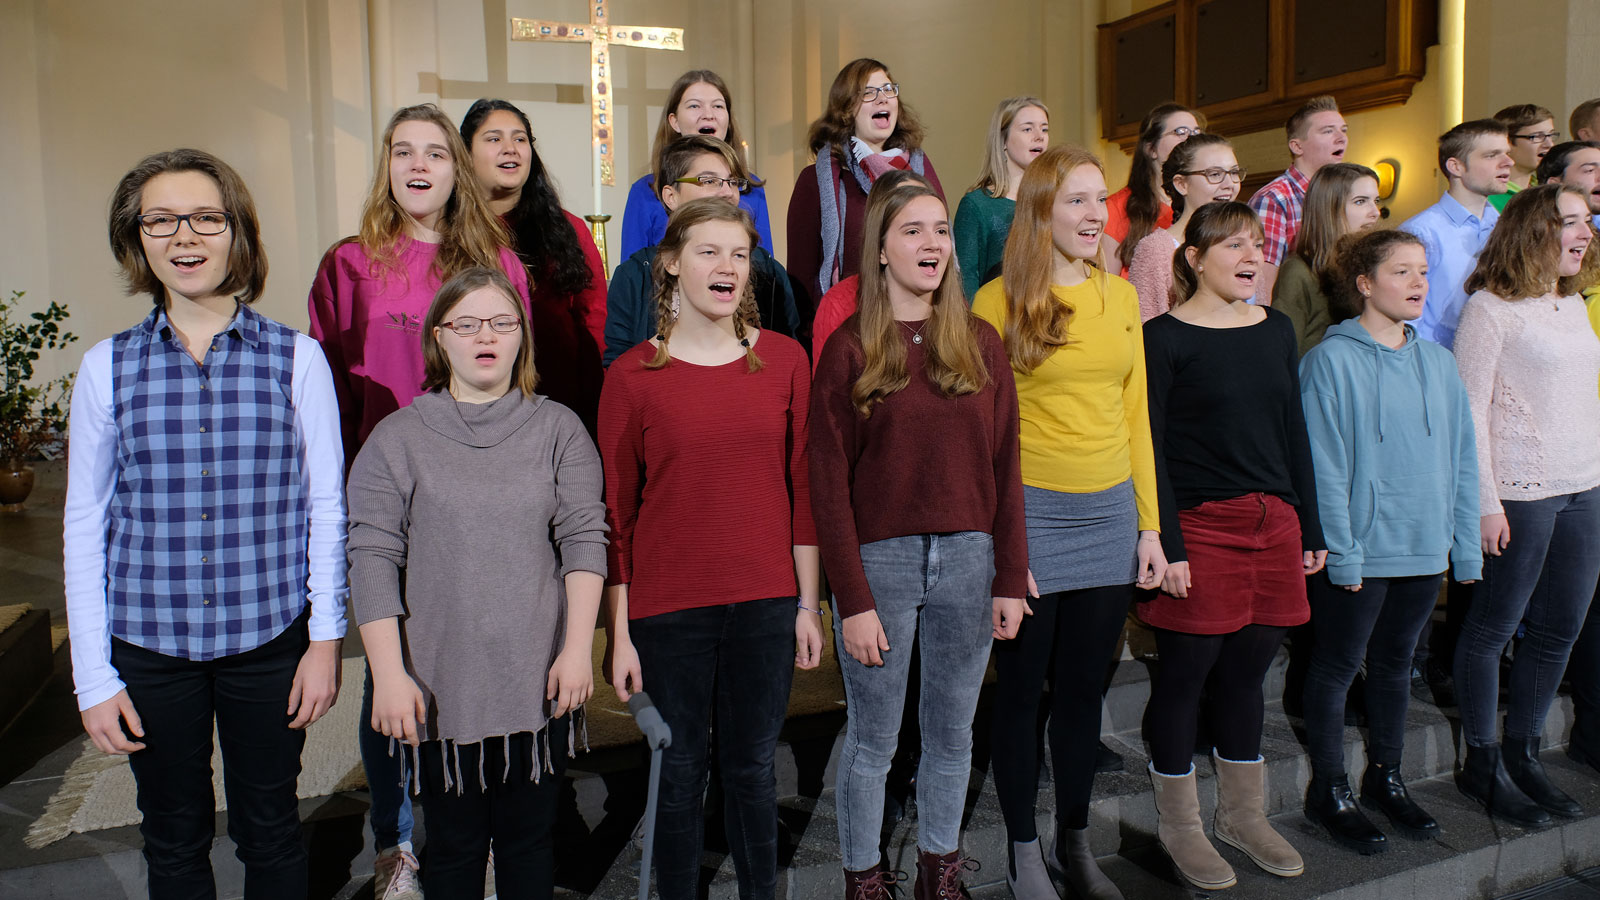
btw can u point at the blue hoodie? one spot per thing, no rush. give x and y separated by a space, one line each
1396 461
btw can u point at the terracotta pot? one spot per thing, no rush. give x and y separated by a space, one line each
16 483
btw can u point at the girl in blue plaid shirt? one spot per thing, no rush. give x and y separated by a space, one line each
204 533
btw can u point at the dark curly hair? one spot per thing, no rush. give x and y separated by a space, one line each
539 229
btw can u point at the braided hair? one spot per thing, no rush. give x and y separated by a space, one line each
683 220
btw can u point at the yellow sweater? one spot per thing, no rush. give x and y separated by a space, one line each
1085 416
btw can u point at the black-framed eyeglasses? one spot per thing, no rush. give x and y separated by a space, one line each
466 326
166 224
1215 176
870 93
1539 137
1185 131
712 181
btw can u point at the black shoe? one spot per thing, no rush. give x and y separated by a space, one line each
1441 686
1329 804
1522 763
1382 790
1582 752
1483 777
1107 759
1420 690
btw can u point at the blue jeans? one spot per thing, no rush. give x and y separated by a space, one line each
1379 623
934 589
1546 578
387 780
734 662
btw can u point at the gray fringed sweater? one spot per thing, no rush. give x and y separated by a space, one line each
464 520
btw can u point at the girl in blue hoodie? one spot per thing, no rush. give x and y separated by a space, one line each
1397 486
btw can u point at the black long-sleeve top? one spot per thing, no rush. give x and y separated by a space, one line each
1226 419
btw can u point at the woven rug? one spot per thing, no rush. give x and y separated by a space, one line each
97 791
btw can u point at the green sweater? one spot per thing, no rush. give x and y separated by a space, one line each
982 223
1298 294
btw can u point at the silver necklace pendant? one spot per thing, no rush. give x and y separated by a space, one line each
916 338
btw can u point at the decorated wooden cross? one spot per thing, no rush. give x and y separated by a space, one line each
600 35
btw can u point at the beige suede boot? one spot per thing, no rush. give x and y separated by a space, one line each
1241 819
1183 837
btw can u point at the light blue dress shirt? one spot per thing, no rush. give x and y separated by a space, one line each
1452 237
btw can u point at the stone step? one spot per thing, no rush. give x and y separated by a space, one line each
27 658
1123 821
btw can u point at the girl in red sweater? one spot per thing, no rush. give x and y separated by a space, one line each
703 439
916 476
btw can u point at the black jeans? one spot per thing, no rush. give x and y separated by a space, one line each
1544 579
1080 629
1380 623
508 808
1231 668
734 663
245 696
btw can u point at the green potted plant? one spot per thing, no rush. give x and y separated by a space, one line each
32 416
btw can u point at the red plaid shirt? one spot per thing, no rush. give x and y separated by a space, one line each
1280 203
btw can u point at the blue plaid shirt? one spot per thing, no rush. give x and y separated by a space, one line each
207 528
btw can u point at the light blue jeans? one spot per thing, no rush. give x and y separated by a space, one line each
932 588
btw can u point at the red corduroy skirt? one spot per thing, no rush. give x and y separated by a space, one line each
1246 565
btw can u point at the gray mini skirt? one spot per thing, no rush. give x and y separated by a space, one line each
1078 541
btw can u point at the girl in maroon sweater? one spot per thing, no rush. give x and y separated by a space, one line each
703 439
865 132
916 478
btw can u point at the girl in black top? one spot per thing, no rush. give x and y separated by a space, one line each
1239 525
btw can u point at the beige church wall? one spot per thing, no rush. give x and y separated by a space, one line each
277 88
956 60
1532 51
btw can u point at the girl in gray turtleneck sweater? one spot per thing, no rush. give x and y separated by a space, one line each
477 554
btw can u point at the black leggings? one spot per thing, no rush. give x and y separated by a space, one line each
1231 667
1081 629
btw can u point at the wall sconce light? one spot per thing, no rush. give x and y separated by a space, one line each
1388 177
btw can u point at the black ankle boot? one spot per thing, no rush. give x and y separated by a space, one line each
1483 777
1523 765
1382 790
1329 804
1583 747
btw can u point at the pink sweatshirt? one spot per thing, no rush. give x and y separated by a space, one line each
369 323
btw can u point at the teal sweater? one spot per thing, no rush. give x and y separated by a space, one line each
982 223
1396 461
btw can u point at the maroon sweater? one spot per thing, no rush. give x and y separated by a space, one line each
921 463
805 232
706 481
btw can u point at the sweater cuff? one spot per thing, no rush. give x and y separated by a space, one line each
375 589
583 556
1010 584
848 602
1344 573
1469 569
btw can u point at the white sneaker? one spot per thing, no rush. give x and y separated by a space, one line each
395 876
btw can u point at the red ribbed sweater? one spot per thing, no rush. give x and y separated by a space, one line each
707 490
